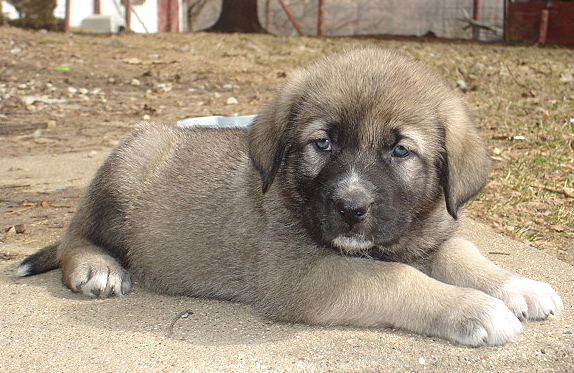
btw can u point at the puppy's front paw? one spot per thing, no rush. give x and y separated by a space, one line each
478 319
97 276
529 299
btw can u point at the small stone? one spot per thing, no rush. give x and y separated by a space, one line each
28 100
461 84
20 228
10 231
134 82
232 101
567 78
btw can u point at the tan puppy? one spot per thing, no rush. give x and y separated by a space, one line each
337 207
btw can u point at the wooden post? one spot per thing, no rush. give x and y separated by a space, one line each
173 16
291 17
66 27
320 14
475 30
128 15
543 33
97 7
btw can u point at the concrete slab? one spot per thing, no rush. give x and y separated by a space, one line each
46 328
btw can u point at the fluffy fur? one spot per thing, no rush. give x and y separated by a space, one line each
338 206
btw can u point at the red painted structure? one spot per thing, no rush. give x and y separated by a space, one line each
540 22
168 15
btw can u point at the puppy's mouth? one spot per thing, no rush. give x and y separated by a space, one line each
350 243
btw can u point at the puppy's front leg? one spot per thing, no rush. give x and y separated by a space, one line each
458 262
339 290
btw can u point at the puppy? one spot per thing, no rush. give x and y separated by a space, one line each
338 206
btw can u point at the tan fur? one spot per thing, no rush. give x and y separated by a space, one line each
337 207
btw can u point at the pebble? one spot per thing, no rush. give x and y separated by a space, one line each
163 87
10 231
232 101
461 84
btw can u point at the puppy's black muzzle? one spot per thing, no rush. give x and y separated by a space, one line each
351 201
353 209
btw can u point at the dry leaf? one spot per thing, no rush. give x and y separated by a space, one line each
132 61
560 227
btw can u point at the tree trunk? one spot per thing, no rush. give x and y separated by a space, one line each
238 16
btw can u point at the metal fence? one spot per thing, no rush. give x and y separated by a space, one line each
442 18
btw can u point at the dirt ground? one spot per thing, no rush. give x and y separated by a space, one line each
62 93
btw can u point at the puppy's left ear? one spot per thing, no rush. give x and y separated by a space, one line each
271 134
466 165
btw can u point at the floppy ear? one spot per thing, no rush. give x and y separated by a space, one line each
466 164
271 134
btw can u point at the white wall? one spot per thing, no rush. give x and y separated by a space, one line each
9 11
80 9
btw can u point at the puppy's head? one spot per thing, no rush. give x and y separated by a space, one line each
366 144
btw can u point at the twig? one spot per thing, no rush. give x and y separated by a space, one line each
33 206
179 316
512 75
17 211
567 192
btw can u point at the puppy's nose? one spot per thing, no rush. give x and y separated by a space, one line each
353 211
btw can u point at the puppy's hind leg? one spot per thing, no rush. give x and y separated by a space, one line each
88 269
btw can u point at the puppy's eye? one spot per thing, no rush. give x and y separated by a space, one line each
324 144
401 151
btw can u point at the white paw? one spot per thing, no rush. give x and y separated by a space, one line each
98 277
485 321
529 299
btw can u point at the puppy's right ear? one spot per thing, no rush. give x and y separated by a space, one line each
271 134
467 163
